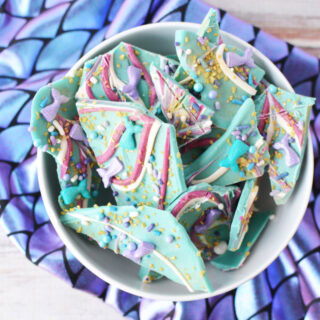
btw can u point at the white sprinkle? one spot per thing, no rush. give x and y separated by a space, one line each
58 141
183 118
272 217
74 178
93 80
155 198
260 163
221 248
58 127
169 115
100 127
188 51
133 214
124 174
220 206
51 129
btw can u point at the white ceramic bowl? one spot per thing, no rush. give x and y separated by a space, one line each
123 273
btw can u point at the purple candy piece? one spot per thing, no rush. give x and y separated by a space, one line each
50 111
291 157
115 167
134 75
143 249
77 133
150 227
234 60
53 140
211 216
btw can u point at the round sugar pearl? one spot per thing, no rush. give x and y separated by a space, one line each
78 165
169 238
272 89
93 135
188 51
212 94
221 248
66 177
198 87
220 206
132 246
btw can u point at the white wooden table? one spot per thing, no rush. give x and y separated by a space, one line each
27 292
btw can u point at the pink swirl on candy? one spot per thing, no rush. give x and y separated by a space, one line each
89 75
283 113
264 115
112 147
135 61
142 148
113 96
193 195
165 168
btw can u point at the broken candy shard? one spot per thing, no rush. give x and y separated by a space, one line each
241 136
286 131
243 213
234 259
112 228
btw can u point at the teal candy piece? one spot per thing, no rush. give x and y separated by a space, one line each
66 87
73 157
126 224
108 75
194 149
146 275
153 171
196 200
128 140
190 117
237 150
283 171
209 29
70 194
243 213
289 114
234 259
205 63
243 126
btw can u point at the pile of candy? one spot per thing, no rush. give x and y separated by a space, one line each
182 141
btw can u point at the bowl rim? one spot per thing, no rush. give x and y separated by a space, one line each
60 229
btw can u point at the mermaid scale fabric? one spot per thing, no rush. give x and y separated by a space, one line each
30 36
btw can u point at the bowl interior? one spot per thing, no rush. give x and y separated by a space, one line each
123 273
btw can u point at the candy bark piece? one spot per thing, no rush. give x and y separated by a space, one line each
220 163
209 29
234 259
199 199
244 211
152 171
284 119
221 88
190 117
57 131
123 74
193 150
130 235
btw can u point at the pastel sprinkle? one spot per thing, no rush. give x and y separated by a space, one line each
150 227
157 232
